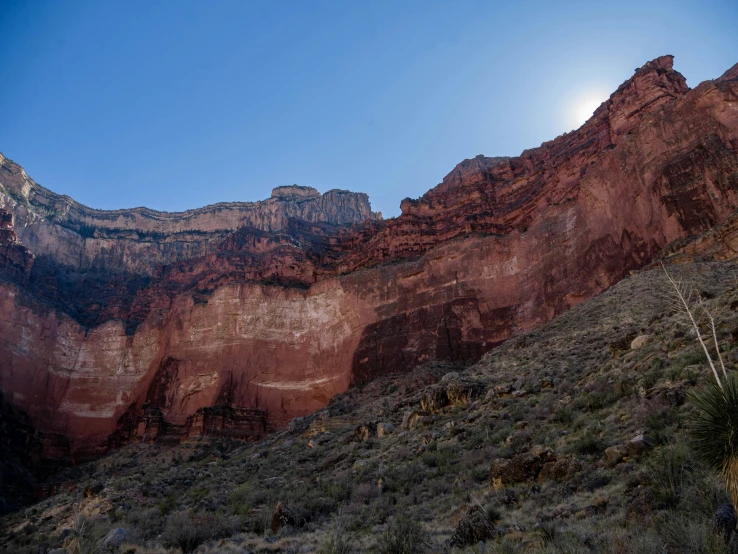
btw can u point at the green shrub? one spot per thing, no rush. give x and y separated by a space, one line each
188 531
671 470
166 505
241 500
403 536
682 533
339 540
400 479
588 444
564 416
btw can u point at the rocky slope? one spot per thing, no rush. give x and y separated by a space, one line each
275 308
571 438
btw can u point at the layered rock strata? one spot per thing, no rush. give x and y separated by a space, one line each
277 313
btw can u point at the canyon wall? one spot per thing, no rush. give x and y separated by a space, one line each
143 320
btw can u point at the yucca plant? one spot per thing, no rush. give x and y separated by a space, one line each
714 430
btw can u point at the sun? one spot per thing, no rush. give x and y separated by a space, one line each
584 106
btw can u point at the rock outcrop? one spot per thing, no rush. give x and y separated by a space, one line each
15 259
277 306
140 240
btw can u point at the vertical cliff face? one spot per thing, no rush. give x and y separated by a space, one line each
15 259
264 314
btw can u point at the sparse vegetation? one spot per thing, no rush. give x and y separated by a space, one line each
586 395
403 536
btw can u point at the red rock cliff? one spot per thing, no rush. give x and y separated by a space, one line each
275 314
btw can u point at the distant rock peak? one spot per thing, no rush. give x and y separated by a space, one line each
292 191
665 62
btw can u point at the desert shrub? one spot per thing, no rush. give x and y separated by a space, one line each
480 474
670 471
84 534
475 438
588 444
241 500
167 505
188 531
183 533
379 511
594 400
335 544
658 422
620 541
400 479
564 416
682 533
198 492
403 536
506 545
548 532
339 540
148 521
692 356
438 458
499 434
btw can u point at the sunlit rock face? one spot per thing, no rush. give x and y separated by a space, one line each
233 319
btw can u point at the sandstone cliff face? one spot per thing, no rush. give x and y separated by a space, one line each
279 312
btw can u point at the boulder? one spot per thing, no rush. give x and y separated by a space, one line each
639 507
474 527
503 390
384 429
283 517
615 454
411 420
521 468
297 424
434 399
364 432
460 392
639 342
519 441
456 392
560 469
114 538
639 445
724 520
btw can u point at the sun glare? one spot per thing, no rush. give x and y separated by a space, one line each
584 106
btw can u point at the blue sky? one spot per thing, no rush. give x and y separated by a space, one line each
177 104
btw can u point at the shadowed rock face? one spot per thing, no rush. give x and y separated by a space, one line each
274 307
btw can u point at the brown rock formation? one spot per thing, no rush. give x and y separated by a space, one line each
273 307
15 259
139 240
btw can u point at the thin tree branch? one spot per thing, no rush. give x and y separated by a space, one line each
714 338
694 324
